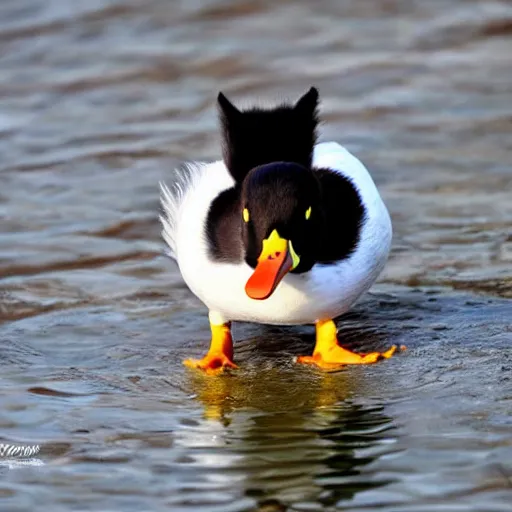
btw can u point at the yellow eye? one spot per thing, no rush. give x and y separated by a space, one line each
246 215
308 213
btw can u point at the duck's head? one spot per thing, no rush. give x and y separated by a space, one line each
269 154
280 216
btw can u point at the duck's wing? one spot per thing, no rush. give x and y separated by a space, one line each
353 207
172 199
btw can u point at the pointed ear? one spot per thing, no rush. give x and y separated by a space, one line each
307 103
227 108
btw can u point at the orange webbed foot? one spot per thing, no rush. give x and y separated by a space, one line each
329 355
339 356
220 355
212 363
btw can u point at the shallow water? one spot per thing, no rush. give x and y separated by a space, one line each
98 102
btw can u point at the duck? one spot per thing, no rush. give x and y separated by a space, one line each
283 230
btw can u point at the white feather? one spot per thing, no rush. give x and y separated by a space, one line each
325 292
173 200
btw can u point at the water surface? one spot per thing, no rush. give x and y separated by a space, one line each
99 101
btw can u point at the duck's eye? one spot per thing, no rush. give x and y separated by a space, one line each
246 215
308 213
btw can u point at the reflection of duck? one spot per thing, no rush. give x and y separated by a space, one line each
285 437
285 232
274 389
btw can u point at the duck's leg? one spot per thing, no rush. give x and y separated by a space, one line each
328 354
220 354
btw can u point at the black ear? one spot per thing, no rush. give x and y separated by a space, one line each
308 103
228 110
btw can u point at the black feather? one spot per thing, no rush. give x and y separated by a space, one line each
278 195
223 227
257 136
343 216
269 154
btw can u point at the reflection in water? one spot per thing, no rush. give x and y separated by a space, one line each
290 436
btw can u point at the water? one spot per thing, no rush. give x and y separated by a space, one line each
98 102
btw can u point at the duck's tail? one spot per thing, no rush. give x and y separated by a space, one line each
172 199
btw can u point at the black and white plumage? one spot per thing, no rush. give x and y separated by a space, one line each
274 176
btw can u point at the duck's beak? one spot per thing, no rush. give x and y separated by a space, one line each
277 258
